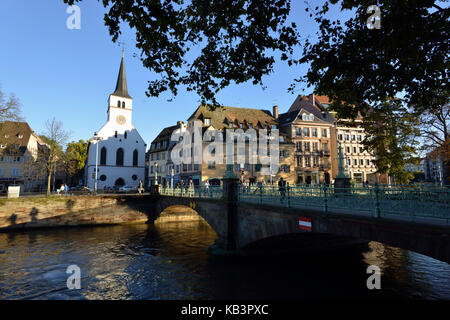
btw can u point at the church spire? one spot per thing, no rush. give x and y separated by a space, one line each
121 86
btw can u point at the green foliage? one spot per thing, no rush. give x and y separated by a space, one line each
230 41
406 58
75 157
391 135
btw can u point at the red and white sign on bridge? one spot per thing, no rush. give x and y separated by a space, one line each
305 223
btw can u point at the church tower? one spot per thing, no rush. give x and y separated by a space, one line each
117 150
120 104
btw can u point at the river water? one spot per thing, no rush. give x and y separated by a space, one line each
168 261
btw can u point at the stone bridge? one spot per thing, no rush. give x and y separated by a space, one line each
246 226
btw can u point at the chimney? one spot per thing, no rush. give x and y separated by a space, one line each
275 112
314 99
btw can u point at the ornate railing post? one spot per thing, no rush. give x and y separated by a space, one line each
288 196
325 199
377 200
261 194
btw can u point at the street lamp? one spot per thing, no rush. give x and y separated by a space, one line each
97 139
156 173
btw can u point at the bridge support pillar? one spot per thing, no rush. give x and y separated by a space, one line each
226 246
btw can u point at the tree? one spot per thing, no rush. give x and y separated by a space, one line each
55 137
407 58
75 158
9 108
391 134
230 42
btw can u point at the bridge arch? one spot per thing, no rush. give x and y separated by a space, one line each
214 213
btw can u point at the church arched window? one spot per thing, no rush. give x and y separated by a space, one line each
123 104
119 157
125 135
135 157
118 103
103 156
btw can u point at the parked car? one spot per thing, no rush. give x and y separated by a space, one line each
81 190
127 189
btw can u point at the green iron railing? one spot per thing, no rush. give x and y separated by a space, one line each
211 192
410 202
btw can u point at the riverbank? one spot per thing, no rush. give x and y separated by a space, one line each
60 211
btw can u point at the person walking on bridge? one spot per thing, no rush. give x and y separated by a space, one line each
282 189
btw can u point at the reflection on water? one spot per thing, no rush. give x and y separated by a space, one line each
168 261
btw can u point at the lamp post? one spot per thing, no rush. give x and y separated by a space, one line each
97 139
156 173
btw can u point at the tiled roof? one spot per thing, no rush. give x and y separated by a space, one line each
221 117
303 103
15 134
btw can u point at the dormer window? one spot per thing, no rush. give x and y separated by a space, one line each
207 121
20 136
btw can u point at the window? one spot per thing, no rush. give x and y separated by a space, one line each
298 146
207 121
102 177
285 168
119 157
1 172
340 136
314 132
354 149
353 137
298 132
315 146
196 167
307 161
299 161
361 162
135 158
163 156
103 156
123 104
324 134
361 150
348 149
125 135
15 172
211 164
258 167
368 162
325 147
118 104
355 162
347 137
134 177
115 134
315 161
359 138
307 146
306 132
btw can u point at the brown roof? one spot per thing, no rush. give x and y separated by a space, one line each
15 134
222 116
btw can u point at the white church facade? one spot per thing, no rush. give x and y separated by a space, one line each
117 149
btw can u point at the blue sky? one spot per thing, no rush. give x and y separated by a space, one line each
69 74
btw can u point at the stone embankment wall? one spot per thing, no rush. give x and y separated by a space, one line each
56 211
